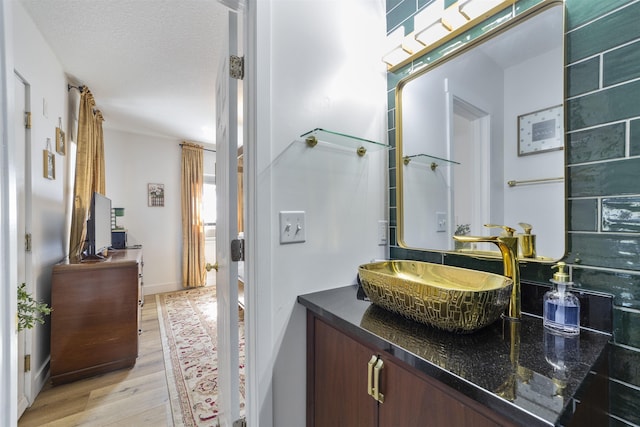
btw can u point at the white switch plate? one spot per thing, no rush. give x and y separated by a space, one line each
441 222
382 232
292 227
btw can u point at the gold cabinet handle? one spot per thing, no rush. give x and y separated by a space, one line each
376 381
210 267
370 374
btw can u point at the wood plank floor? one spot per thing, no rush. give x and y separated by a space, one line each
130 397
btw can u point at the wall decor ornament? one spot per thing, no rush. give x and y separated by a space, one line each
541 131
155 195
61 142
48 162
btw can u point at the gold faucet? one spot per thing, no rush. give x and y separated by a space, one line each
508 245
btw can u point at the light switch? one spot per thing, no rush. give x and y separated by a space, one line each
441 222
292 227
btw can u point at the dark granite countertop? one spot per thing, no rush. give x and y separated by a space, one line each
519 370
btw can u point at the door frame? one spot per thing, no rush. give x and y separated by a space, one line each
8 227
24 210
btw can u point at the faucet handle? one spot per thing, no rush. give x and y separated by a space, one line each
527 227
508 230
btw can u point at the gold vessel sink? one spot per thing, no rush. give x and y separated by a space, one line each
450 298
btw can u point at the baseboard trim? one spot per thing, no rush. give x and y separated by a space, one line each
160 288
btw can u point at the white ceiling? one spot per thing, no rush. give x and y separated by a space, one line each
150 64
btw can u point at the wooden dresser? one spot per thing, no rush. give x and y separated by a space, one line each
95 320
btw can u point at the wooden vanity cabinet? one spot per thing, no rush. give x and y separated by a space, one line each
337 388
95 321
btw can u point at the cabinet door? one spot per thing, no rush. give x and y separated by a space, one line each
412 401
339 391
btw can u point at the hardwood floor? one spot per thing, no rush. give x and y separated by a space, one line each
131 397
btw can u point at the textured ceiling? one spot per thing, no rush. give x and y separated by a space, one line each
150 64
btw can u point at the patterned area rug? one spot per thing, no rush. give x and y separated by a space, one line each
189 342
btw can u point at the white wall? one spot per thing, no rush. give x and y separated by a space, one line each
35 62
543 89
132 161
325 72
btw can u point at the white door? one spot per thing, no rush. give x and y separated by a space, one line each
22 154
227 230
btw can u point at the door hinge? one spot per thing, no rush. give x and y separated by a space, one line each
27 119
27 242
236 67
237 250
27 362
242 422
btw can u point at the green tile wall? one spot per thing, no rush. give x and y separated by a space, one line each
602 47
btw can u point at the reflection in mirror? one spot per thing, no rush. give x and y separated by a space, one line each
458 143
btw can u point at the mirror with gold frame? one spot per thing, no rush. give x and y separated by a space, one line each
460 164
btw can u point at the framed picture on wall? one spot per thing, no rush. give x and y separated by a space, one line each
155 195
61 143
541 131
49 164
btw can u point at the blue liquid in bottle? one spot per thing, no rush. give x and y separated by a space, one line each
562 316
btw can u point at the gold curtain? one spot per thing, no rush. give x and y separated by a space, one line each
193 271
89 176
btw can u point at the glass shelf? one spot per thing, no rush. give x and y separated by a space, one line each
359 144
426 160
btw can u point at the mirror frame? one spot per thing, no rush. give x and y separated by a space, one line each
511 23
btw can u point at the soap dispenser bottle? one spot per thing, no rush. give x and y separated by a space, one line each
561 310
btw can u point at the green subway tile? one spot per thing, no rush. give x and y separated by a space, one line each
583 215
621 64
393 217
524 5
626 327
391 100
583 77
623 285
634 138
603 179
390 4
392 178
391 119
621 214
626 366
579 12
614 422
604 250
398 16
624 402
392 197
603 143
609 105
392 82
603 34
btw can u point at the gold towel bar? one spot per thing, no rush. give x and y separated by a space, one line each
513 182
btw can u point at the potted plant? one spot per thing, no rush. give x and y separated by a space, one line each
462 230
30 311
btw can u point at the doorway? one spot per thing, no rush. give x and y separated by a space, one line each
470 146
23 250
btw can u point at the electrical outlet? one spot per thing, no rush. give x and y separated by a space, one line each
441 222
292 227
382 232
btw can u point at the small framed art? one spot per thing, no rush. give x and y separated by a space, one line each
155 194
61 143
49 164
541 131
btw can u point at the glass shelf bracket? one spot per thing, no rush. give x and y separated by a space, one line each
360 144
432 161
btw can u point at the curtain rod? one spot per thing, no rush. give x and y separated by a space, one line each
205 149
80 88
